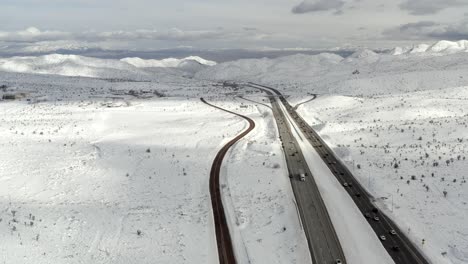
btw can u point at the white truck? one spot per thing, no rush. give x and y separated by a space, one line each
302 175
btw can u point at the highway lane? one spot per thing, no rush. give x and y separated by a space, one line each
323 242
226 253
399 247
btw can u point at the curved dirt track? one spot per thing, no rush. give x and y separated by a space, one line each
223 238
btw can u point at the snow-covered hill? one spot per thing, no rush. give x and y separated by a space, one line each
71 65
364 72
129 68
290 66
439 48
170 62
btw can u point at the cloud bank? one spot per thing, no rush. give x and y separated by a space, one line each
429 30
307 6
33 34
427 7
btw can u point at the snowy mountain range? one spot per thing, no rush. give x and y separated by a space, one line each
438 48
75 65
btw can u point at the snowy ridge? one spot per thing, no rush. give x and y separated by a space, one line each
440 47
363 73
366 55
68 65
75 65
166 63
294 65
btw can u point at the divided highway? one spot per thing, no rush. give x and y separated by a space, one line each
393 240
324 246
223 238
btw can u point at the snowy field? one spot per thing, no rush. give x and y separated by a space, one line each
398 120
106 171
412 161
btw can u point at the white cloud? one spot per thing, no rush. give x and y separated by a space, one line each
173 34
429 30
32 34
307 6
426 7
35 40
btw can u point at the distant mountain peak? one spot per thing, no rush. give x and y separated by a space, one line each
438 48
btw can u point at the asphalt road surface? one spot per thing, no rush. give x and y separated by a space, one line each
223 238
324 246
397 244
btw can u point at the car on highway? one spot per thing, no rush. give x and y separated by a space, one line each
302 175
345 184
392 232
395 248
376 218
383 238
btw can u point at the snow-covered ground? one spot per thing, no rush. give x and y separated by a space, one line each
105 171
107 161
408 108
407 150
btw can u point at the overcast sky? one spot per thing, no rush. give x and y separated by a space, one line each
154 24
